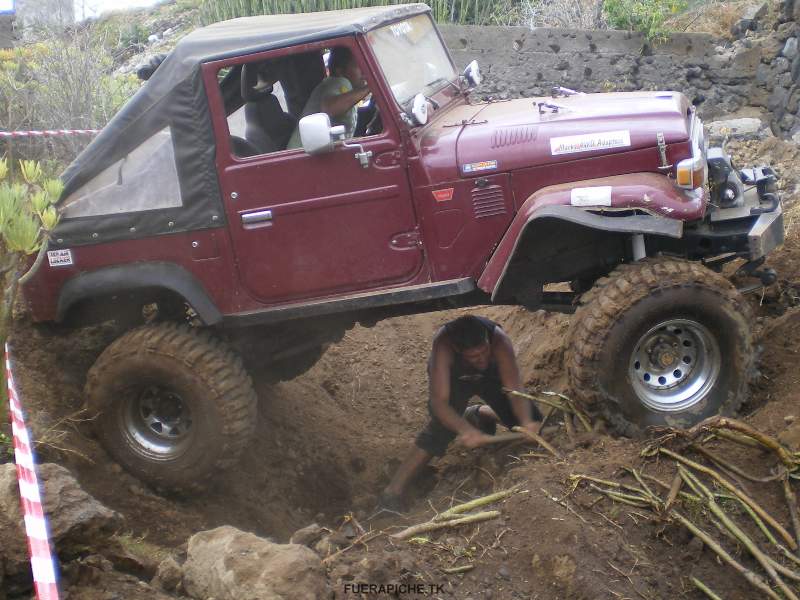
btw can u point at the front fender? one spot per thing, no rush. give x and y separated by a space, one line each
603 204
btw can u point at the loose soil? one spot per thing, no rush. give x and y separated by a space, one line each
328 441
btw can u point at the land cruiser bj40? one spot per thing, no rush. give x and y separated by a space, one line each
188 209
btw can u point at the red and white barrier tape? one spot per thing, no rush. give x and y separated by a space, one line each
48 133
43 564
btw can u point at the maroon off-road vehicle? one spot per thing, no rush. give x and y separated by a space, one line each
189 214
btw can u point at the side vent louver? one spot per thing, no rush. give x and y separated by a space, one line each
488 201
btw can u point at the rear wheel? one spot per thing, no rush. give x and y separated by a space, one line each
661 342
173 405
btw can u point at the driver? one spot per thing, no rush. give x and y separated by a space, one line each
336 95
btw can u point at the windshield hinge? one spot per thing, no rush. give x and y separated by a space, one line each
662 151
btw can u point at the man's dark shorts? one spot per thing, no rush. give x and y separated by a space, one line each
435 438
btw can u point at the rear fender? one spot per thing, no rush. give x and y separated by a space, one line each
602 205
138 277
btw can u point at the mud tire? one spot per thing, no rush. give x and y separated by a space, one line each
183 363
618 311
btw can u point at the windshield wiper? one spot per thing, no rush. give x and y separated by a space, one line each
458 88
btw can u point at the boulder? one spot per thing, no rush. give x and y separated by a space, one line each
228 564
76 519
790 48
737 129
307 536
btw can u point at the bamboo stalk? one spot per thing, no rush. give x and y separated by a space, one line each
538 439
750 576
461 569
704 588
636 501
568 425
791 501
731 488
674 490
731 467
737 438
751 546
434 525
769 442
476 503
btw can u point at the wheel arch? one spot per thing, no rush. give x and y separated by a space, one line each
135 283
558 243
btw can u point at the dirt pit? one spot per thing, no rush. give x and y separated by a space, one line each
328 441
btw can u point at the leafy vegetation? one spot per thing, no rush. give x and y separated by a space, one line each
463 12
648 17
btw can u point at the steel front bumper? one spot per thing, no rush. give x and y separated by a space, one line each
766 234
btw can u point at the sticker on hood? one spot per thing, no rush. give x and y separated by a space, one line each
591 196
484 165
588 142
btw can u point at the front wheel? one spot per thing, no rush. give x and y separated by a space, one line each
172 405
661 342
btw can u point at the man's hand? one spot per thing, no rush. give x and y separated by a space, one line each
472 438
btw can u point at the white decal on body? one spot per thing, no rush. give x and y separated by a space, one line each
591 196
59 258
588 142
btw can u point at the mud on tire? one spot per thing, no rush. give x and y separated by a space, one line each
173 405
661 342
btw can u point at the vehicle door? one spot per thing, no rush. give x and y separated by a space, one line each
307 226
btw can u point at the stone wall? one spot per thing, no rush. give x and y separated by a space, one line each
7 38
720 77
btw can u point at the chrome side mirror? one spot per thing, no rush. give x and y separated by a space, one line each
472 74
316 134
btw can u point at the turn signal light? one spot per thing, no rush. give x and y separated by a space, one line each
691 173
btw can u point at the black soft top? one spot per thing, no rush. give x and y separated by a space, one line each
175 97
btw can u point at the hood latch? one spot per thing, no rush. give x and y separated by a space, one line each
662 152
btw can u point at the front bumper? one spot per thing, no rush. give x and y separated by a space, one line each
745 202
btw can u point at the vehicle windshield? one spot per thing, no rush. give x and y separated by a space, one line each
412 57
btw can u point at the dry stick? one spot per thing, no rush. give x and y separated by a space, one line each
538 439
568 425
461 569
434 525
503 438
567 407
451 512
367 537
731 488
751 577
704 588
737 438
636 501
765 440
647 490
751 546
612 484
732 468
791 500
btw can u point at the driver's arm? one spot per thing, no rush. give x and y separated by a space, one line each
338 104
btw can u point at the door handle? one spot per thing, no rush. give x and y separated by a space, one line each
256 217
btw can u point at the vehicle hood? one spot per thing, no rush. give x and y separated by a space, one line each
514 134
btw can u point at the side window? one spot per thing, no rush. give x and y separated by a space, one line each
268 98
146 179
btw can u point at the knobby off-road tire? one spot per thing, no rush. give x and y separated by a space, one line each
661 342
173 405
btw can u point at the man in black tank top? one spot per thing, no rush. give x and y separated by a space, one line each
471 356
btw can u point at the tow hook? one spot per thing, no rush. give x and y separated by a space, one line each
765 276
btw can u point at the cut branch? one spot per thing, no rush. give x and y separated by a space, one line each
733 489
434 525
476 503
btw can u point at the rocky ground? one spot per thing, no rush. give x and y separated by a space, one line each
328 441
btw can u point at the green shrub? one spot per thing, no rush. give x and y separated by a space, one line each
466 12
645 16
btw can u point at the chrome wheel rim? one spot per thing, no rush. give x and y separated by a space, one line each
674 365
158 421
